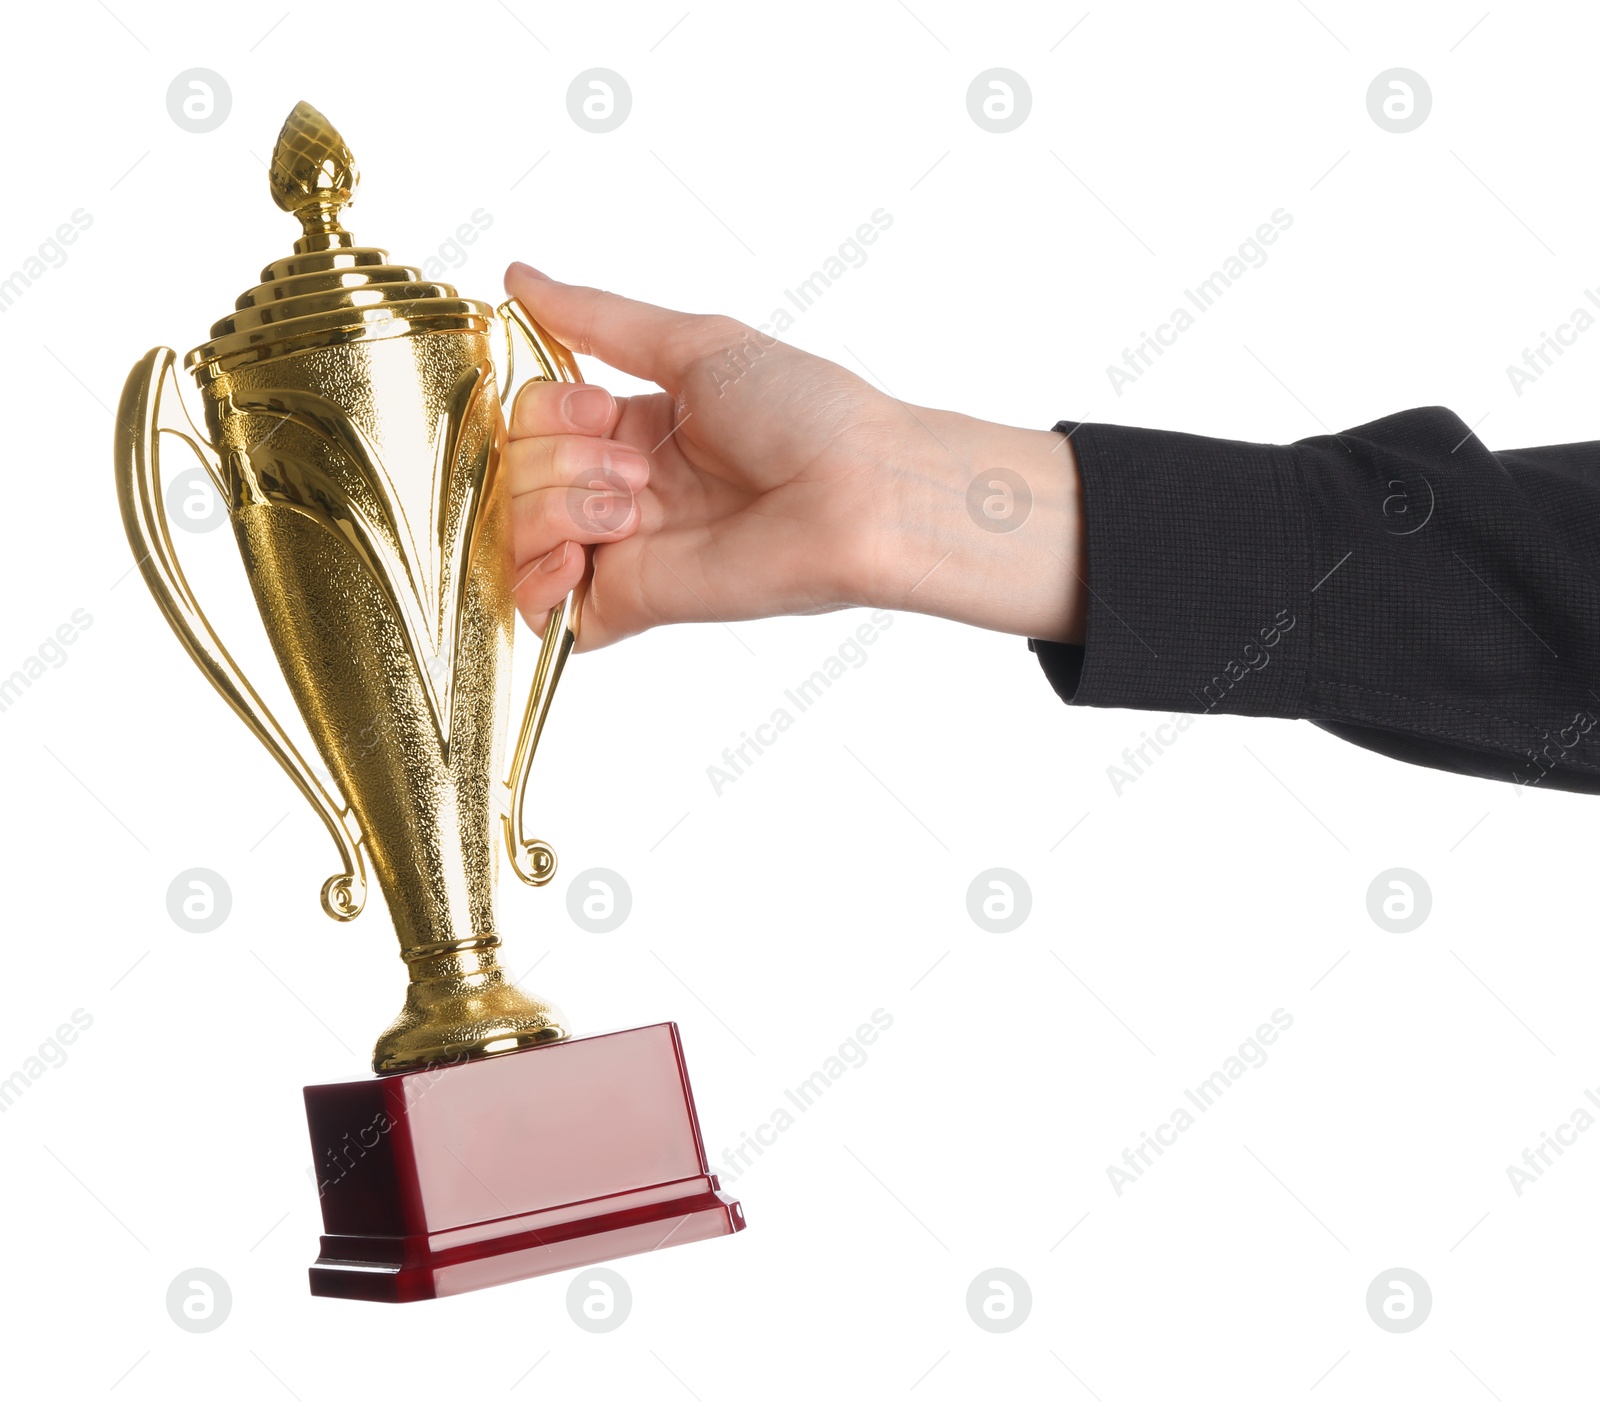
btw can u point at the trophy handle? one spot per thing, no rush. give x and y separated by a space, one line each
530 354
151 406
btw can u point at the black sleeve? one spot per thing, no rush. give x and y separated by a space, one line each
1398 584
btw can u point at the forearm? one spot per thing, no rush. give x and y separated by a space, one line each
980 523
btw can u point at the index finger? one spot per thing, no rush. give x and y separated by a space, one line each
646 341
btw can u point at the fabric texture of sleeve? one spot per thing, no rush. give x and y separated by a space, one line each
1397 584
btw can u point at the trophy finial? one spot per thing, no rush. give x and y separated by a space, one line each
313 176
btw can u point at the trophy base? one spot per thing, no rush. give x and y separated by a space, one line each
454 1178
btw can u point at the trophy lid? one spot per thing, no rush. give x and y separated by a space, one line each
329 291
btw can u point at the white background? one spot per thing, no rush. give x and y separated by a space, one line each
831 879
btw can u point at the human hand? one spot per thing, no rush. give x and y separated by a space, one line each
762 481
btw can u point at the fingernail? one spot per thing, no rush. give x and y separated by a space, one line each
552 563
524 270
607 511
628 464
588 408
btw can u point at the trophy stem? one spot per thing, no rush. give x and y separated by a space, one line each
460 1006
427 952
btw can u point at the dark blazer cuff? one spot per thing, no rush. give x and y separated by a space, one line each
1198 559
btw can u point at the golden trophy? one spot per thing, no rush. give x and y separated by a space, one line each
354 428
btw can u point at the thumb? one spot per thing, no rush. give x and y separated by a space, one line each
645 341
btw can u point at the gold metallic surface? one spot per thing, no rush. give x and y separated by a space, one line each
354 428
532 860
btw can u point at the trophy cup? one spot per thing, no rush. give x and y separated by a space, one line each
354 427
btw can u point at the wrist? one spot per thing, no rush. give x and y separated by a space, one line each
981 523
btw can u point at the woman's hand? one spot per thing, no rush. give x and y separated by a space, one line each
766 481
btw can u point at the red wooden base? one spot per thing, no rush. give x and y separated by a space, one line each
455 1178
